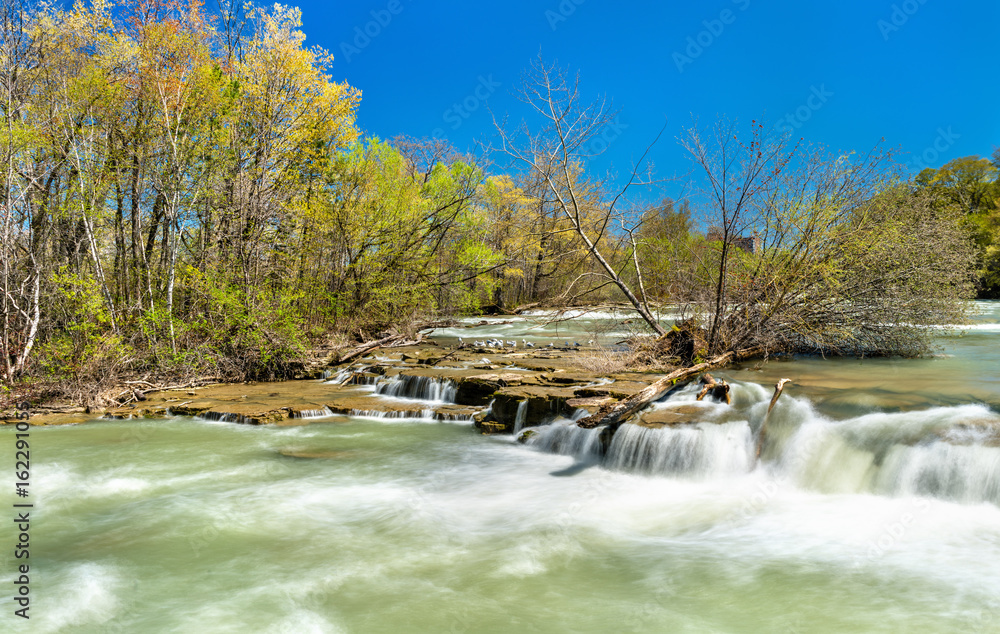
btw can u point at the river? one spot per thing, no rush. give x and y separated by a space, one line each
876 508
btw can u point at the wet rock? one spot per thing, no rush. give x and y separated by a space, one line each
592 392
370 406
525 435
544 404
247 417
364 378
591 404
310 374
671 416
626 389
189 408
478 390
566 378
455 413
491 427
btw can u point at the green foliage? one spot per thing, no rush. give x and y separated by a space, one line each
970 188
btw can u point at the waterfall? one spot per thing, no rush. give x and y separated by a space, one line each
423 414
944 452
219 417
339 378
522 412
312 413
950 453
424 388
942 470
565 437
702 450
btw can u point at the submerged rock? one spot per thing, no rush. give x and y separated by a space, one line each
526 435
680 414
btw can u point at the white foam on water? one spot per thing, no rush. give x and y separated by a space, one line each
82 596
303 622
703 450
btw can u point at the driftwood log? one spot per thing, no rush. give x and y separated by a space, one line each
718 389
135 394
624 410
368 347
394 341
778 388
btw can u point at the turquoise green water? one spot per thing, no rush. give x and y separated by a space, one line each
410 526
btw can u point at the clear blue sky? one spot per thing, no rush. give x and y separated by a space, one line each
917 73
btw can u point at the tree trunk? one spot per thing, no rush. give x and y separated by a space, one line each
627 408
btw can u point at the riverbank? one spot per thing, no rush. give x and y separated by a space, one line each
550 380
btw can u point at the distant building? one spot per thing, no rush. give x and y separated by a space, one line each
752 244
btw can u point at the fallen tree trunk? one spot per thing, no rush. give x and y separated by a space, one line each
447 323
139 395
368 347
624 410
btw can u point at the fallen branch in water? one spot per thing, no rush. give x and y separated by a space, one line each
718 389
655 391
140 395
368 347
449 355
778 388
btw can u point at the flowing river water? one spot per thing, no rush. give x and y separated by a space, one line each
875 508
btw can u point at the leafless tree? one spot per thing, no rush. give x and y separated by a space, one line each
845 259
557 152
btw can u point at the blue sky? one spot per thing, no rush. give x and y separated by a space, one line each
922 74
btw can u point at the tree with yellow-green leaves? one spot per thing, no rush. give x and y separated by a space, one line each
185 192
970 187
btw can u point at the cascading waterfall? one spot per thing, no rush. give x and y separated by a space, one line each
339 378
946 452
424 388
704 449
951 453
422 414
219 417
565 437
312 413
522 413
